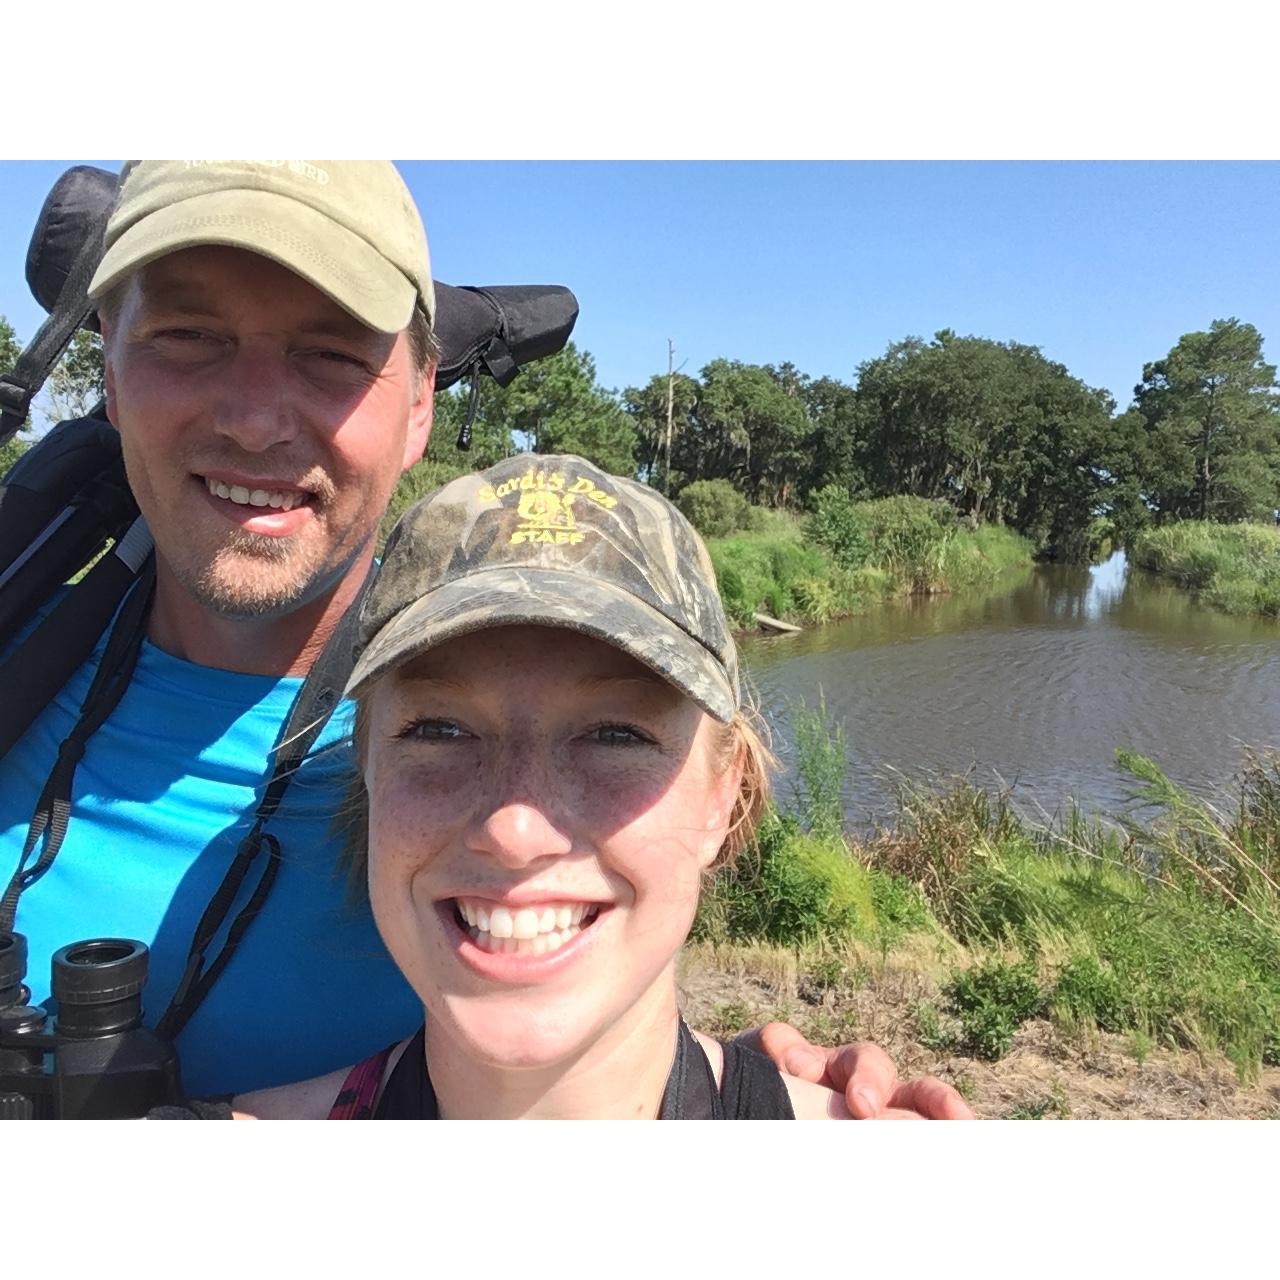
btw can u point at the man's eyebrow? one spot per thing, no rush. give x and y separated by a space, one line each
177 295
190 298
344 327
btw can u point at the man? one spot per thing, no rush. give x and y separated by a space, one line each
270 368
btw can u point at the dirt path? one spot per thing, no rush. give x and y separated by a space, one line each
1047 1074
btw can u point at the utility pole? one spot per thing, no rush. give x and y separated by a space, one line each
671 387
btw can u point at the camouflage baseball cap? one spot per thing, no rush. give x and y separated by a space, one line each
349 227
553 542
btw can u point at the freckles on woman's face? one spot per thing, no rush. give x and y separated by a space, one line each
542 807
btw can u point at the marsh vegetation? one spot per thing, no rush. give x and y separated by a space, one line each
1159 930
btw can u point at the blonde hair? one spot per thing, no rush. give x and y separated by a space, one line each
743 738
758 763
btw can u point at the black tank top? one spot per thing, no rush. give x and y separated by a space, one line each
751 1087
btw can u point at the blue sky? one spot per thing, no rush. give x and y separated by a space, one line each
1102 265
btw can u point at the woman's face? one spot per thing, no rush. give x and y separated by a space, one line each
541 810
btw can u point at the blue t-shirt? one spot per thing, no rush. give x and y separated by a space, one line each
162 798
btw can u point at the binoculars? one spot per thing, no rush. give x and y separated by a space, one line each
97 1061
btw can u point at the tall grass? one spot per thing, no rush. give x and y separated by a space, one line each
800 882
1233 567
777 574
914 546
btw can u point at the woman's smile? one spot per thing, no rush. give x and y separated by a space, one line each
519 944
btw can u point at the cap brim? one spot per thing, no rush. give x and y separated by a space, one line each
309 243
504 597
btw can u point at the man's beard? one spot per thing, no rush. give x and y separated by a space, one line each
251 576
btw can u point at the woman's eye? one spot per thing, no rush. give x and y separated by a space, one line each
432 731
618 735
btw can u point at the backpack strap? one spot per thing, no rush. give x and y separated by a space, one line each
311 710
53 809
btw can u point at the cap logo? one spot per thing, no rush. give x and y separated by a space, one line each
544 503
303 168
548 517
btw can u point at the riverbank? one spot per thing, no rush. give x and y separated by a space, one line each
1048 1073
1232 567
1130 969
780 570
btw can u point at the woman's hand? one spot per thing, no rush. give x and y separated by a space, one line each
863 1072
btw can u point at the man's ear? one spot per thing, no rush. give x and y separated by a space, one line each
420 419
109 374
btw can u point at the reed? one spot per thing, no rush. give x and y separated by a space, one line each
913 547
1232 567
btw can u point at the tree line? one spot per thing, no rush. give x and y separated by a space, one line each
996 429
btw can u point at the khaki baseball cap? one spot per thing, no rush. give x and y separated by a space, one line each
349 227
552 542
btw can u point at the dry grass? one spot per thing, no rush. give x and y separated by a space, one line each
1051 1071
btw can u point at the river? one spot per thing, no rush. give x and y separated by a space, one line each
1035 683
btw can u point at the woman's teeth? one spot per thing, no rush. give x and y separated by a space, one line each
527 931
282 499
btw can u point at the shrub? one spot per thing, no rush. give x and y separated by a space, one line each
834 524
733 593
790 887
1088 992
714 507
899 905
992 1002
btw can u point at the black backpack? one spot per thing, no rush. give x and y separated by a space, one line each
67 501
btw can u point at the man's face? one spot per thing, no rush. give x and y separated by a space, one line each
263 427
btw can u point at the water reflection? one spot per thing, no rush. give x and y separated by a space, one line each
1106 585
1036 682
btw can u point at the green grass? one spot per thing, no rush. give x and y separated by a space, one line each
1169 929
1166 930
776 573
1233 567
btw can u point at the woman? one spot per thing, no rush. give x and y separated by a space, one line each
554 755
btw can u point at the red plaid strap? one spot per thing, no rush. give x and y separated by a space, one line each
360 1089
